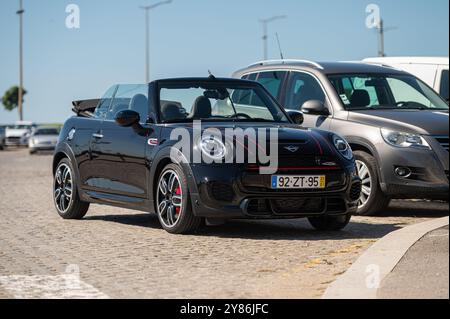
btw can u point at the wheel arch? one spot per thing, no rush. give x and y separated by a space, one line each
363 145
161 160
64 151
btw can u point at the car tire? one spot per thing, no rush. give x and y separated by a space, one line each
67 208
376 201
178 219
330 223
32 152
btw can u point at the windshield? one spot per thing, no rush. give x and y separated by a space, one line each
218 102
20 127
385 91
46 131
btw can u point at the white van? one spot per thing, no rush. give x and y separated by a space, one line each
431 70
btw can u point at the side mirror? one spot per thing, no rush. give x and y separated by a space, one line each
315 107
296 116
127 118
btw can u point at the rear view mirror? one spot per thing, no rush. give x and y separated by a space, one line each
296 116
127 118
315 107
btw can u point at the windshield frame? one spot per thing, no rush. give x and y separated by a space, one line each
386 76
225 83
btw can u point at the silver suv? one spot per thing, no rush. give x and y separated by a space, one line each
396 124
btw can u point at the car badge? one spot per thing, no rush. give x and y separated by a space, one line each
292 148
153 141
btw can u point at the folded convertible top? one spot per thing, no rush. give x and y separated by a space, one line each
85 108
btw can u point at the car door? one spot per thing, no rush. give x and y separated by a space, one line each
302 87
120 162
84 145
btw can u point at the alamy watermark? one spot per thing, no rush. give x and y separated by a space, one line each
67 285
232 145
373 19
73 16
373 277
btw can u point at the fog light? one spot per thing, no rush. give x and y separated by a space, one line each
403 172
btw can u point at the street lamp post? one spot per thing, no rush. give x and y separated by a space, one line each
265 37
20 12
147 35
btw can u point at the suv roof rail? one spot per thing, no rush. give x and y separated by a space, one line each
289 61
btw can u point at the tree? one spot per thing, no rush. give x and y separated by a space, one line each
11 98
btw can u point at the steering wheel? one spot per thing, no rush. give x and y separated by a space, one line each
246 116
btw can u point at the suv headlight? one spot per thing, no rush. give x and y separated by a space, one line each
342 146
213 147
404 140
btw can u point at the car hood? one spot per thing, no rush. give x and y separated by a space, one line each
16 132
410 121
292 140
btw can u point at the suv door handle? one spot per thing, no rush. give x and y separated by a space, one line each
97 136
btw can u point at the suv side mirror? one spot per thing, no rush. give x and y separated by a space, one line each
296 116
127 118
315 107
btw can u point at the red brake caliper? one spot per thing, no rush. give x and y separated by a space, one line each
178 192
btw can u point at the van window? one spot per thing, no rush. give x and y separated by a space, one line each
444 85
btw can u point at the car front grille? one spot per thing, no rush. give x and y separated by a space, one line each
443 140
296 206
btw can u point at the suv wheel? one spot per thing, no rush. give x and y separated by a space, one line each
173 204
65 193
372 199
330 223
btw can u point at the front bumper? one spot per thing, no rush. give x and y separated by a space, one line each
232 192
429 172
42 147
16 141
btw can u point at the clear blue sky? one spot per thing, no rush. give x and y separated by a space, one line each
188 38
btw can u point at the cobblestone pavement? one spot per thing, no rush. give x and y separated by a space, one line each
124 254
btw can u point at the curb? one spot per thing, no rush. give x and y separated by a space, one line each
363 278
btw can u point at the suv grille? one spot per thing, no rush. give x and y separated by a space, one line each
443 140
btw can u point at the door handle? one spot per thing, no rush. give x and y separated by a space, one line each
97 136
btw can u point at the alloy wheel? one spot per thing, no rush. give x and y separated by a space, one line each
63 188
366 178
170 198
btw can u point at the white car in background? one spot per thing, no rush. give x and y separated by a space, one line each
43 139
432 70
19 133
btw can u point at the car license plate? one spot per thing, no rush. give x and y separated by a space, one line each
298 182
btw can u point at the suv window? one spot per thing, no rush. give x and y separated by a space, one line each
444 85
130 97
302 87
272 81
105 103
385 91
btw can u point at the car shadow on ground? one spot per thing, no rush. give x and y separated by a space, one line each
416 208
298 229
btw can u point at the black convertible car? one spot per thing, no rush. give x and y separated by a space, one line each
202 149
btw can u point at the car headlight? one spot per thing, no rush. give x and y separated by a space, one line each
342 146
404 140
213 147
